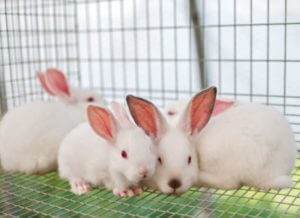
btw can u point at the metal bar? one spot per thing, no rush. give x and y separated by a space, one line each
190 49
199 42
136 44
3 98
8 41
285 56
66 34
165 27
251 51
99 22
111 48
39 47
149 68
234 51
175 50
219 48
268 52
152 60
162 54
76 17
89 48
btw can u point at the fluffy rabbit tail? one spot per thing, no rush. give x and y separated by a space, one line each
277 183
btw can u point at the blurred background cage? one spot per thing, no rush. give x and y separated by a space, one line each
160 50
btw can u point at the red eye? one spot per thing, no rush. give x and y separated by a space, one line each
124 154
190 160
159 160
90 99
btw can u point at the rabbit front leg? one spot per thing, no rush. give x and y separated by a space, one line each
80 186
121 186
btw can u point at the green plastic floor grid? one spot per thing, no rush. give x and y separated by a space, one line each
48 196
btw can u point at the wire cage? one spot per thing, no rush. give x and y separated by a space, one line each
160 50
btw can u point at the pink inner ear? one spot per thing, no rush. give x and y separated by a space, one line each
144 115
57 82
221 106
201 109
102 123
42 80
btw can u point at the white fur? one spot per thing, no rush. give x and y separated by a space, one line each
176 107
174 149
87 157
30 134
249 144
174 142
79 96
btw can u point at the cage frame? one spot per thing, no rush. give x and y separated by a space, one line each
26 195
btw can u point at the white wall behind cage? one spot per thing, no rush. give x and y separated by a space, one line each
251 49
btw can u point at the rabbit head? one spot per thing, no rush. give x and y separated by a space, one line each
177 167
132 154
55 83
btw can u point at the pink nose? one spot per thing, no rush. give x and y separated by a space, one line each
143 172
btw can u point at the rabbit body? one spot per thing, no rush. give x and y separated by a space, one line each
30 135
249 144
108 152
84 155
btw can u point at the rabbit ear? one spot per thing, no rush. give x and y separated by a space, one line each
57 83
221 106
43 82
121 114
102 122
147 116
198 111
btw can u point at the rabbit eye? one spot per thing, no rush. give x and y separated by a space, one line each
189 160
124 154
171 113
90 99
159 160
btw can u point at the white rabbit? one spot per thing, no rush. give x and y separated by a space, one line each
177 165
249 144
30 134
106 151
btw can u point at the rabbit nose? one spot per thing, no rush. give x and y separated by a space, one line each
174 183
143 172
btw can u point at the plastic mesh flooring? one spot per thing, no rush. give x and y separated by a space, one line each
41 196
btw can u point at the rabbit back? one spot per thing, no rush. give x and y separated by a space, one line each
30 135
250 144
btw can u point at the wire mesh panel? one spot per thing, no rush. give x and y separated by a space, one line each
34 35
156 49
161 50
140 47
251 52
28 195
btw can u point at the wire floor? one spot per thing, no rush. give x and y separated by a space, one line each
40 196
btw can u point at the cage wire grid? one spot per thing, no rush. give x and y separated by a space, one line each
161 50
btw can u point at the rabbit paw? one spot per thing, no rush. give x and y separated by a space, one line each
137 190
80 187
127 192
